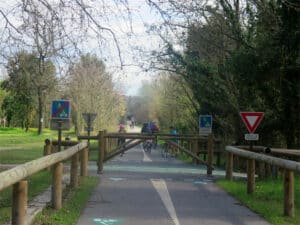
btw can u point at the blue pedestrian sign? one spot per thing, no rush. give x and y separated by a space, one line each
205 124
60 109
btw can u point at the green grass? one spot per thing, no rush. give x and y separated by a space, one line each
267 199
36 184
94 151
73 204
20 146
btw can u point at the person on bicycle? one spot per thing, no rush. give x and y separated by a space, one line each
121 140
173 131
146 129
154 129
147 144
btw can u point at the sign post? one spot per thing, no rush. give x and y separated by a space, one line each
205 124
89 119
251 120
60 117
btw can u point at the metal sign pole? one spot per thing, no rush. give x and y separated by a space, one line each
89 128
59 123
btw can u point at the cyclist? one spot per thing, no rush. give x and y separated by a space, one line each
154 129
173 131
146 129
147 144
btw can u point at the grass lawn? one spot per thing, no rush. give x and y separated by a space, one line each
18 146
267 199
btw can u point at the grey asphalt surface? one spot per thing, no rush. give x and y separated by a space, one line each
146 189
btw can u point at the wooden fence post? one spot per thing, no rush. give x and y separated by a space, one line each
229 166
194 150
19 204
218 148
84 162
289 193
47 147
261 170
57 186
101 151
250 176
105 145
74 171
189 145
210 151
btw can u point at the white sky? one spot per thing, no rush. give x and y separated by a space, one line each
130 77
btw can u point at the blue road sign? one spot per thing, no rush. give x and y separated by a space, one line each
60 109
205 124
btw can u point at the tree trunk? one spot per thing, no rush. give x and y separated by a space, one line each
40 112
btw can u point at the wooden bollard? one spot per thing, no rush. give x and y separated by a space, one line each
190 145
250 176
261 170
289 205
84 162
229 166
106 145
101 151
57 186
218 148
194 150
210 154
268 170
19 205
74 171
47 147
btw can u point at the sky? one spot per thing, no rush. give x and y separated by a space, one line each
131 35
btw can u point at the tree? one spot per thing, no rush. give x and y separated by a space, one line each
57 31
268 63
91 90
22 71
239 55
176 105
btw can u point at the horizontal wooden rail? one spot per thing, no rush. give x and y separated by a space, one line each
289 167
65 143
273 151
122 149
18 173
284 163
87 137
16 177
128 136
191 154
163 136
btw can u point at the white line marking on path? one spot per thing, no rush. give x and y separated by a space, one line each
146 158
162 189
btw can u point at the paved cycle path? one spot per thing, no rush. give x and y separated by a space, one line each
146 189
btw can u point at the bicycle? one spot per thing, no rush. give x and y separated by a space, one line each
147 145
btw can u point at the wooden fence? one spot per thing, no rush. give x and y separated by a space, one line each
288 166
193 145
16 177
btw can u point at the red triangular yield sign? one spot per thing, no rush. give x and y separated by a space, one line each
251 120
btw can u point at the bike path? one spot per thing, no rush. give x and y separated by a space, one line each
145 189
